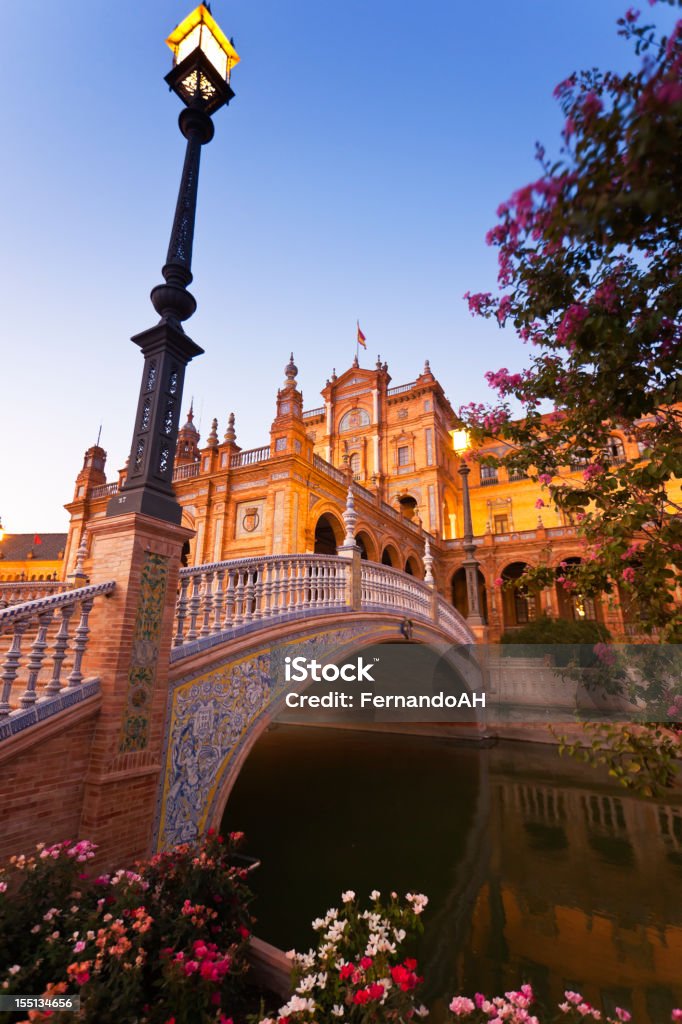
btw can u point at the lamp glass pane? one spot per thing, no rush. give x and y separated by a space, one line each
189 43
214 51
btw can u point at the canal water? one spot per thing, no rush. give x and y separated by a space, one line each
536 868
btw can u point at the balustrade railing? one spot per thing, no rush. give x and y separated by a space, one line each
392 589
223 596
308 414
250 457
103 490
332 471
37 634
401 389
219 600
20 591
186 472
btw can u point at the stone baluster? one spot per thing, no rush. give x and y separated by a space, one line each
61 643
36 658
194 607
306 599
229 600
181 611
248 596
259 579
11 667
239 598
207 602
80 642
276 589
219 601
267 590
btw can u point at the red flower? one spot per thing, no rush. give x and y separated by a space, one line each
376 991
346 971
361 997
366 962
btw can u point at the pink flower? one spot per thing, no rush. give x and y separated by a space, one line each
594 469
628 574
620 1013
499 582
545 478
591 105
460 1006
539 503
631 15
477 302
676 1014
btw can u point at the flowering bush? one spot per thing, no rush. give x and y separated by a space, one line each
515 1008
359 971
589 275
164 944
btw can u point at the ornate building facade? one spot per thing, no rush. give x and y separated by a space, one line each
393 444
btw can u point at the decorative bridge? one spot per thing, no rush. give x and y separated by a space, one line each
220 601
204 678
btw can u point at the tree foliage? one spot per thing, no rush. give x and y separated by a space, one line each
590 262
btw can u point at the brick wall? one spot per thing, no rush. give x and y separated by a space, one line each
43 775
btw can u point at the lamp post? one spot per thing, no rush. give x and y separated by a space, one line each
203 58
460 444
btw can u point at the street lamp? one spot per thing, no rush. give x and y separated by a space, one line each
203 58
460 444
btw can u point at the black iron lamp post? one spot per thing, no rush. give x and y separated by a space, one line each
203 58
460 443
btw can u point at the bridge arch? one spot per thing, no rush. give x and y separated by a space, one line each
222 700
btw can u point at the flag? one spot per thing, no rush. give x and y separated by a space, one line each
37 540
361 338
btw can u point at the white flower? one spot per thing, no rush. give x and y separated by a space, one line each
399 933
318 923
421 1011
348 896
90 935
290 954
322 979
375 894
418 901
297 1004
306 984
337 1011
14 970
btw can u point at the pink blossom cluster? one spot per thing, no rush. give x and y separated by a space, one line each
208 962
570 324
592 470
675 711
515 1008
478 303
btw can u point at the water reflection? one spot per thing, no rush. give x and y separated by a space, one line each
536 870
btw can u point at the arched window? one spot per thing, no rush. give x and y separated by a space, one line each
354 420
614 452
354 463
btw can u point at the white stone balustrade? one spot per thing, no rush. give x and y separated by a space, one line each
51 631
218 600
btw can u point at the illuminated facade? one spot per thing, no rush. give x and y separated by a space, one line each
394 444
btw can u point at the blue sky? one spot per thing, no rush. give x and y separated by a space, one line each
355 174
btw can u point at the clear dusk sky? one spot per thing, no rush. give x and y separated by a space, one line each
355 174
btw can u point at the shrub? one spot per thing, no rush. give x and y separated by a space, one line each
166 942
358 971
